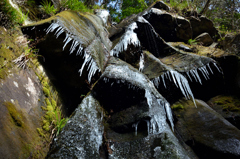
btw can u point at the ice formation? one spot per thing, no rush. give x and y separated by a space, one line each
141 63
103 14
169 114
92 66
179 80
129 38
148 96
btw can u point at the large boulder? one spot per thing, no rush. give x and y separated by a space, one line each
82 55
169 26
228 106
206 131
202 25
204 39
230 43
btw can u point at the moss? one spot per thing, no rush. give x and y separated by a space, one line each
47 101
177 106
15 115
46 126
50 115
228 103
54 103
40 132
46 92
45 82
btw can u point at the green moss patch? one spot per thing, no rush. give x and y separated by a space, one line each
228 103
17 117
9 50
177 106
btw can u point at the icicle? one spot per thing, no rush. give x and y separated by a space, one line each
174 79
74 45
205 70
182 82
169 76
52 27
87 58
128 38
141 63
196 76
92 67
135 126
210 68
203 73
67 40
163 80
148 126
59 33
148 96
189 76
217 68
79 50
155 81
169 114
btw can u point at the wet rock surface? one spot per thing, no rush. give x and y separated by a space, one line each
204 39
130 73
206 131
21 99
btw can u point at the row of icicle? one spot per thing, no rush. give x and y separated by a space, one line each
130 38
92 66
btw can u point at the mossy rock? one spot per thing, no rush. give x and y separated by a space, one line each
17 117
228 103
9 50
46 92
177 106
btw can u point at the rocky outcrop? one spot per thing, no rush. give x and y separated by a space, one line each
228 107
206 131
202 25
129 74
21 114
230 43
204 39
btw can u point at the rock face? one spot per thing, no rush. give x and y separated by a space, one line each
204 39
230 43
206 131
20 115
130 73
21 98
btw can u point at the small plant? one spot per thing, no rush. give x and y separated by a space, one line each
48 7
192 42
13 16
75 5
25 57
59 121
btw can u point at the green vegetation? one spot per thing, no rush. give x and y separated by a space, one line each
177 106
17 117
28 55
75 5
48 7
228 103
12 16
192 42
53 120
178 6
